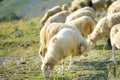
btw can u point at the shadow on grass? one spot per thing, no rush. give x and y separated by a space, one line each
106 70
100 47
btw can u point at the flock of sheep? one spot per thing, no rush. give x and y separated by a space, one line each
73 30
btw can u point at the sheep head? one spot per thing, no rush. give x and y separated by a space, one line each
47 66
84 48
91 41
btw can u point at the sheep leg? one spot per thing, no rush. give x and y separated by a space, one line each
62 68
62 72
105 44
113 54
70 63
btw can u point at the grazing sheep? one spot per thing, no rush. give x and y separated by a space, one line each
45 34
115 40
99 5
77 4
49 13
103 27
114 7
58 17
87 11
68 41
84 24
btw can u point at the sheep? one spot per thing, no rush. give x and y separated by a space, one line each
87 11
77 4
67 42
65 7
102 28
115 40
99 5
84 24
58 17
49 13
45 34
114 7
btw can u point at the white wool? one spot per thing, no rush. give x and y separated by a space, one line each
103 27
58 17
115 40
114 8
84 24
68 41
81 12
49 13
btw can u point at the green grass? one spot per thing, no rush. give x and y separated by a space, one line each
27 34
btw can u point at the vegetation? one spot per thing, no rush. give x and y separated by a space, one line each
1 0
10 17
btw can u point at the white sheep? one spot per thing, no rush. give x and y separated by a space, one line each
77 4
102 28
45 34
87 11
114 7
84 24
58 17
49 13
68 41
115 40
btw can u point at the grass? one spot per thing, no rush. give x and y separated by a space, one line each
18 34
19 58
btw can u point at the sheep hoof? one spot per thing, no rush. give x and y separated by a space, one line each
61 72
114 61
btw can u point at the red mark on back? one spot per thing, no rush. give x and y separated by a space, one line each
54 39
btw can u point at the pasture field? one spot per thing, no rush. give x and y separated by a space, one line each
19 58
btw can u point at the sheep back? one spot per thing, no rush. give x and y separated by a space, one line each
49 13
79 13
114 8
58 17
84 24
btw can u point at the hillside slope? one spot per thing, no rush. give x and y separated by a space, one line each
28 8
